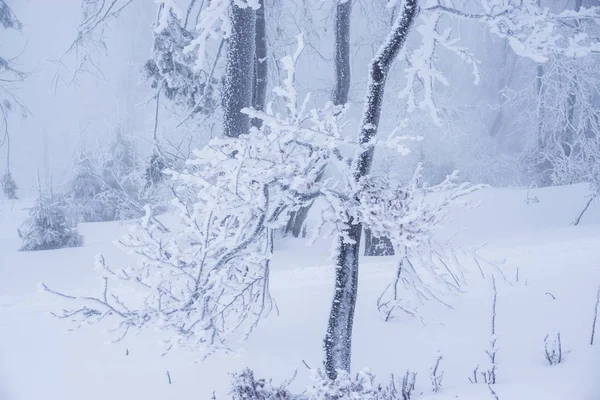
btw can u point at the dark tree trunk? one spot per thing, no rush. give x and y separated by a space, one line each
259 89
339 96
239 70
342 52
338 340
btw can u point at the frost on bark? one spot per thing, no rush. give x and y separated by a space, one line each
239 70
339 96
259 89
338 339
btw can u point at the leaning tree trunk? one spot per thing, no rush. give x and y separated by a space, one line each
339 96
259 88
338 340
239 70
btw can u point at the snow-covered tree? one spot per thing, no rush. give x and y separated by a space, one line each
109 185
207 281
10 76
49 226
238 78
9 186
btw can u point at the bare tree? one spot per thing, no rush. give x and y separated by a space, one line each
10 77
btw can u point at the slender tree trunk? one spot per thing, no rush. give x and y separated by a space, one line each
343 11
508 65
259 89
342 52
338 339
239 70
569 134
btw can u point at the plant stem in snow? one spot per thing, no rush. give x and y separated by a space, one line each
595 317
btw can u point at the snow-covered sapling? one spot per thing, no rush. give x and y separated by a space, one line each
244 386
9 186
473 379
553 351
489 375
49 226
436 375
595 317
359 386
408 384
426 271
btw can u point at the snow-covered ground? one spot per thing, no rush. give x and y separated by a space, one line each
558 277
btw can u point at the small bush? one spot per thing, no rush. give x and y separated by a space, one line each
246 387
49 227
9 187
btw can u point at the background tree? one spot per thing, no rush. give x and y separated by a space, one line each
50 225
10 76
261 65
238 77
341 88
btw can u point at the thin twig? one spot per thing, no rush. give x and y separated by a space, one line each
595 317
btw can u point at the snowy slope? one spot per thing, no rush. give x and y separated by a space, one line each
38 360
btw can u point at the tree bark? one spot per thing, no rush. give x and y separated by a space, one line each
239 70
343 11
259 88
338 339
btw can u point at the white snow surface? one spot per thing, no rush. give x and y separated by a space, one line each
40 360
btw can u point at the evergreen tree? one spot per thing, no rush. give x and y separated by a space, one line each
49 226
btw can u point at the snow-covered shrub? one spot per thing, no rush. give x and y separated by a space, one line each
9 187
411 213
172 68
553 352
436 376
110 185
155 171
83 195
246 387
49 226
362 385
347 387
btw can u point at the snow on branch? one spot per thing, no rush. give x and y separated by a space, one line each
532 32
214 23
208 280
204 280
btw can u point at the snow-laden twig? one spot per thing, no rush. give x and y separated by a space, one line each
553 352
595 317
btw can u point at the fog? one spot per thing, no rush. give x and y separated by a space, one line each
63 113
